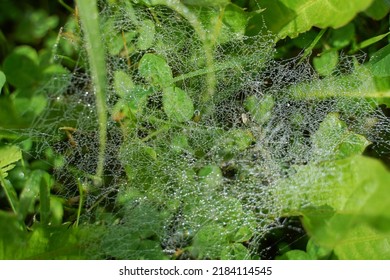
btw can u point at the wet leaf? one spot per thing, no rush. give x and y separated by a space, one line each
155 69
177 104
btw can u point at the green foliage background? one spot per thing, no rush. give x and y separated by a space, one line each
334 206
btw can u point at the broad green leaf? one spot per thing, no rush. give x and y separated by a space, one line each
360 220
177 105
2 80
235 18
326 63
29 107
260 108
21 67
34 25
364 243
123 84
333 140
291 17
330 183
146 32
8 156
380 62
155 70
379 9
211 175
225 24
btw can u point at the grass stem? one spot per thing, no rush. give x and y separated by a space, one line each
89 17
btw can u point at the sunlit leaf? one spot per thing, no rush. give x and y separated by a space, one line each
290 17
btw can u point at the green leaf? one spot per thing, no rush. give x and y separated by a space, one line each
155 70
380 62
8 155
179 143
291 17
116 43
295 255
2 80
10 193
371 41
343 36
361 219
379 9
211 175
177 105
12 236
364 243
146 32
123 84
137 235
234 141
29 107
21 67
235 251
35 25
333 140
260 108
235 18
209 241
243 234
206 3
30 193
317 252
326 63
56 210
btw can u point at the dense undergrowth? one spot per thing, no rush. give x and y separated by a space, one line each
167 129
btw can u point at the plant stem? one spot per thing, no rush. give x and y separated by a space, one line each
89 18
309 50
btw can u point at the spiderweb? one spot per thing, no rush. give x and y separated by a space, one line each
204 185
